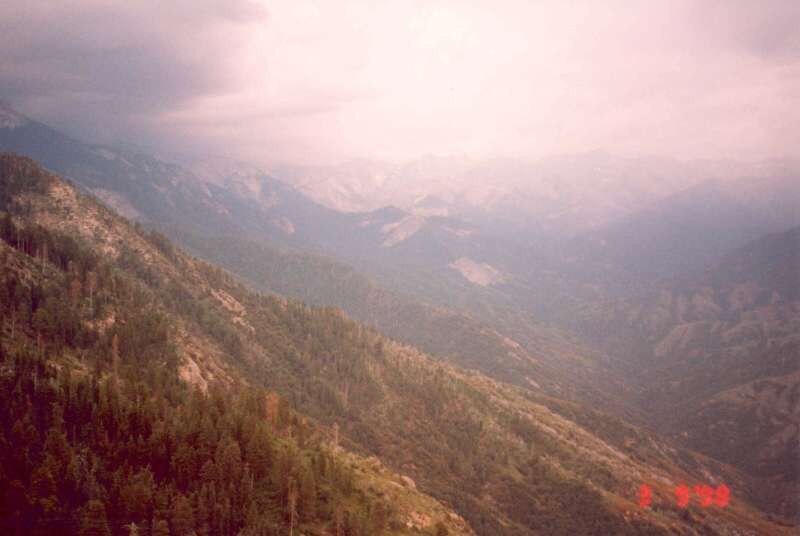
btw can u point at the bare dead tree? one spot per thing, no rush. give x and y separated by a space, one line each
91 281
293 494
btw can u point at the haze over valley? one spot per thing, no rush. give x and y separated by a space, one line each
419 268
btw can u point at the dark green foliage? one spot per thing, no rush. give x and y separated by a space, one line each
94 522
98 435
162 243
318 280
20 174
96 411
37 241
328 366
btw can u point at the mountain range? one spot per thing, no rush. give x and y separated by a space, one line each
520 291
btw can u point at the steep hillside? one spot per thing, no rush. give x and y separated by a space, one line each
99 435
147 189
719 351
441 300
691 230
246 221
508 461
547 362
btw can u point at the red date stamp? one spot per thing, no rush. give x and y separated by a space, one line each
706 495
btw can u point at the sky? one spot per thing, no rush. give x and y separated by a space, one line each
316 82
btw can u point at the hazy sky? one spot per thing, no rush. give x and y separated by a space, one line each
319 81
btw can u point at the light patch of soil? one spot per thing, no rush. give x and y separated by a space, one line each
478 273
190 373
401 230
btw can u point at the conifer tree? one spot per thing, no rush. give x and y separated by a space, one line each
440 529
94 521
182 518
160 528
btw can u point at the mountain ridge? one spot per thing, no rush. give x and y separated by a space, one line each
389 375
549 300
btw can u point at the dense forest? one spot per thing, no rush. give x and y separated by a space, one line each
99 436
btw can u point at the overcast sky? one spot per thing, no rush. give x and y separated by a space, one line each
323 81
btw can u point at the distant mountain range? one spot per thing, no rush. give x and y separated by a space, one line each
561 195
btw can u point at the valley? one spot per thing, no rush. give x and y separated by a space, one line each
534 342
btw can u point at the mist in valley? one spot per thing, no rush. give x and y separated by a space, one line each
418 268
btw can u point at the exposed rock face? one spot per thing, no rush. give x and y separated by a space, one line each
401 230
418 521
720 366
478 273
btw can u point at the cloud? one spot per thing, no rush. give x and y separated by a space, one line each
764 29
80 63
321 80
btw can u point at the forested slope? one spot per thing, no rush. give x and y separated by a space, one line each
719 351
548 362
120 314
99 434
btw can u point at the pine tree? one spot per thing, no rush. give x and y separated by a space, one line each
259 451
115 353
440 529
160 528
291 498
137 494
91 284
378 518
307 488
182 517
271 404
94 521
338 517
